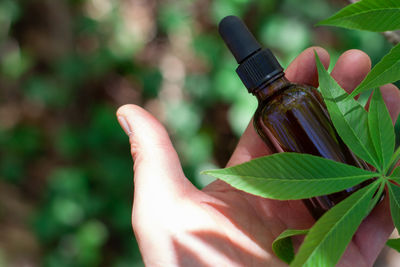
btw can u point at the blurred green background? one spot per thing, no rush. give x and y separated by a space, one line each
65 68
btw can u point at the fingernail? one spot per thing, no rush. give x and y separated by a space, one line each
124 124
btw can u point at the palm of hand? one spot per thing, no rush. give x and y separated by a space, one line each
177 225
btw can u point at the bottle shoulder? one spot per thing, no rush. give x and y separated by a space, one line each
293 96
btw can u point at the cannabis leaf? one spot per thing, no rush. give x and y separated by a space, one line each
292 176
329 237
393 161
394 243
385 71
283 246
348 116
394 197
371 15
381 129
364 97
396 174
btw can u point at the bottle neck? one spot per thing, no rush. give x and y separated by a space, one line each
269 88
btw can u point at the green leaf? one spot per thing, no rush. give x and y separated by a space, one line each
330 235
394 244
385 71
364 97
395 175
283 246
393 161
397 131
370 15
381 129
292 176
394 197
348 116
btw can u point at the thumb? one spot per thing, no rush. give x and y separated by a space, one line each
157 169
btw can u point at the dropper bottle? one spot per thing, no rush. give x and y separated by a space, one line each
289 117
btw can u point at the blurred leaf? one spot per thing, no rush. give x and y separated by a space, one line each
183 118
9 12
3 259
25 140
68 142
69 182
199 88
67 211
222 8
151 80
302 8
102 128
197 149
72 69
92 234
15 64
241 112
208 46
89 239
173 16
47 92
287 35
12 168
226 83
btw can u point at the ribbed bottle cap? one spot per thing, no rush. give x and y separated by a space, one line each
256 65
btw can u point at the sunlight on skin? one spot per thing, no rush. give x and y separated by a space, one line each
178 225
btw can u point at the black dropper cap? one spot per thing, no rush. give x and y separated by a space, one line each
256 65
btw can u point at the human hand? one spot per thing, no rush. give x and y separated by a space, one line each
176 224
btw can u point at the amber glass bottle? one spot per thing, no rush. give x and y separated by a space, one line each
290 117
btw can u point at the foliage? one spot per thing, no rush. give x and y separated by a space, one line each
289 175
370 135
66 66
283 246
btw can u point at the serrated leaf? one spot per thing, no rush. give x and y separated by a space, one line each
394 244
287 176
381 129
385 71
348 116
370 15
394 197
330 235
283 246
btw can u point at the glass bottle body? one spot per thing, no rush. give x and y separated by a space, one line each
292 118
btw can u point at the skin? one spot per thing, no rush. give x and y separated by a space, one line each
176 224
